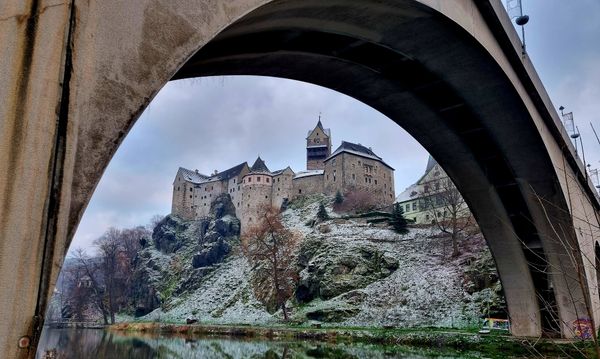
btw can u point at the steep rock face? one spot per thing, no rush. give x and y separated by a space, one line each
329 269
184 252
168 234
217 234
150 267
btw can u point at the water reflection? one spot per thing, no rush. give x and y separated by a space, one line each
93 343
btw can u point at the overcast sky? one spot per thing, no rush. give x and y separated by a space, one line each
215 123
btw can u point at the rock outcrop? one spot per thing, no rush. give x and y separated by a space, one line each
183 253
168 235
330 269
218 233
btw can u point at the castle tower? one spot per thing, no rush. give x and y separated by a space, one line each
257 192
318 147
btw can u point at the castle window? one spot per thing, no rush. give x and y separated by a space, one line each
178 188
238 204
267 179
190 196
359 163
249 207
414 206
277 179
366 180
375 181
407 207
191 189
353 176
238 188
257 179
300 190
205 204
277 189
266 196
385 185
249 179
234 180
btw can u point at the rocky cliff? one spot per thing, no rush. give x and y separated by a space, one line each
349 273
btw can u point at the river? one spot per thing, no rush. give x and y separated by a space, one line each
100 344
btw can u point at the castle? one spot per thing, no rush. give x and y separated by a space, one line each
351 167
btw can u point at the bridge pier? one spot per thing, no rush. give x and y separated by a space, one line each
33 205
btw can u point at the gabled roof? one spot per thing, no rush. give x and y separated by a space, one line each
358 150
326 131
229 173
408 194
278 172
191 176
259 166
431 164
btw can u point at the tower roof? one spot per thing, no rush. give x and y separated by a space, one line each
326 131
259 166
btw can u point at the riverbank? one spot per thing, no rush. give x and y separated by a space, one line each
490 345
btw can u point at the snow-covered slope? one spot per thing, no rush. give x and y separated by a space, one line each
416 284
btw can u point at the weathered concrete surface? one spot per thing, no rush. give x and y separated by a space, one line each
32 39
451 74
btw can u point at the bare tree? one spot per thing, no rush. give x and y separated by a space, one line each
446 208
92 281
272 249
109 248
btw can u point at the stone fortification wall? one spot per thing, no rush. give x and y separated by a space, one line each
256 189
234 188
282 188
205 194
347 172
183 198
306 185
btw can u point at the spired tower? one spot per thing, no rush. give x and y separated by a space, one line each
318 147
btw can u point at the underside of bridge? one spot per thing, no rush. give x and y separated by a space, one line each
443 74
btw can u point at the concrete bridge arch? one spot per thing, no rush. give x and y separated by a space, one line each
451 74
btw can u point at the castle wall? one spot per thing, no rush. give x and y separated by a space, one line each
183 198
282 188
205 193
306 185
348 172
234 188
256 189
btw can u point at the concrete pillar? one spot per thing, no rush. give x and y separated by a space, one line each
33 37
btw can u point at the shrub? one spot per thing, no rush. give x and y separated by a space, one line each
322 213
